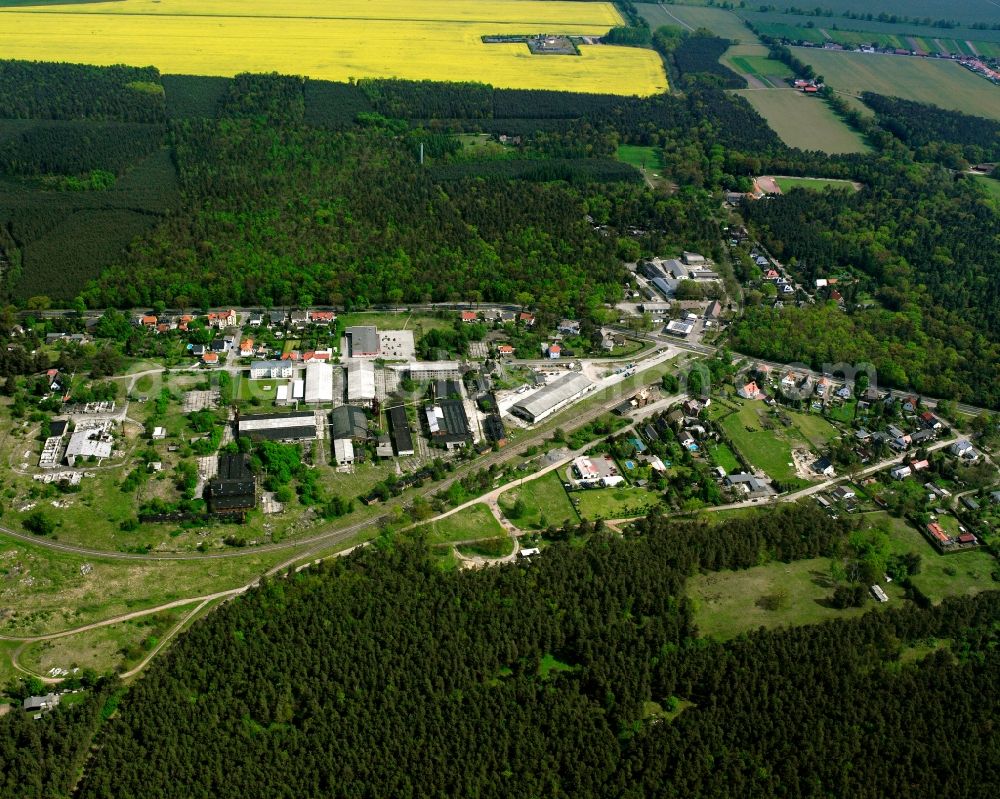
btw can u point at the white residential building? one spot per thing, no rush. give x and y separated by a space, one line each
271 370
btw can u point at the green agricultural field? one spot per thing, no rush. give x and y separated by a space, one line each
857 38
965 12
783 30
720 21
779 594
960 573
803 121
760 67
854 32
816 184
474 523
545 502
614 503
925 80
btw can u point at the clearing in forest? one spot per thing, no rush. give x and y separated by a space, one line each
434 40
803 121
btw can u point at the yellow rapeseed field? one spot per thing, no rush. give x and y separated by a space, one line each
436 40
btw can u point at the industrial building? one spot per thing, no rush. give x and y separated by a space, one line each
361 383
399 428
319 383
493 427
447 424
90 440
553 397
362 341
233 490
52 449
343 451
349 421
278 426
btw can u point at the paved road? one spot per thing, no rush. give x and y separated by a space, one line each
816 488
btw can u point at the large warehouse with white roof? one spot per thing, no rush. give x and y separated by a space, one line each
553 397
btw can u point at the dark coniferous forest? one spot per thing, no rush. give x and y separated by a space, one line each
382 675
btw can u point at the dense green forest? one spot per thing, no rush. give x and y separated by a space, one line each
246 151
381 674
36 90
699 55
43 758
274 189
921 243
938 134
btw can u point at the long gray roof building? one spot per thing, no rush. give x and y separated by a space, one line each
553 397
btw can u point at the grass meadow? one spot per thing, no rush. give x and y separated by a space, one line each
472 524
804 122
545 502
955 574
619 502
814 184
767 443
728 603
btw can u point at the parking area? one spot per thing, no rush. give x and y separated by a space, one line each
397 345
